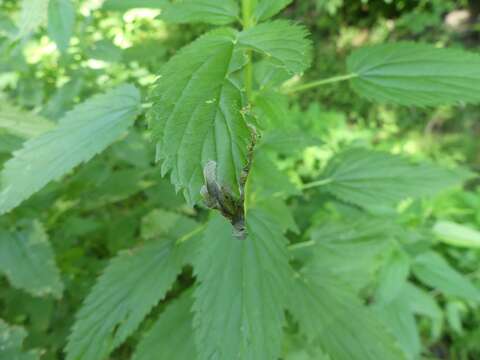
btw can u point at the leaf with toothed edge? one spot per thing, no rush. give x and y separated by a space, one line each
131 285
332 316
282 42
171 337
84 132
267 8
205 11
415 74
198 113
28 261
246 283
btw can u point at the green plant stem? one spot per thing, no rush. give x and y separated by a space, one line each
316 184
247 11
314 84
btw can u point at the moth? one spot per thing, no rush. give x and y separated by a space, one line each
221 198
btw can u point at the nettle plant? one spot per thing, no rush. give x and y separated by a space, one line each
217 115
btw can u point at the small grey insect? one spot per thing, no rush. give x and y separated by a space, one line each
221 198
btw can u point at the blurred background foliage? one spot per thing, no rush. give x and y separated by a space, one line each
119 200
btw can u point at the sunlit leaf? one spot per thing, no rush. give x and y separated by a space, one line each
28 262
61 21
207 11
84 132
456 234
416 74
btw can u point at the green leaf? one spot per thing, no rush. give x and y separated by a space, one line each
284 43
206 11
454 316
33 14
196 116
22 123
362 241
376 180
171 337
330 314
456 234
423 303
199 113
398 316
434 271
61 21
267 181
131 285
393 276
297 348
158 222
85 131
11 340
267 8
161 222
415 74
124 5
239 304
28 261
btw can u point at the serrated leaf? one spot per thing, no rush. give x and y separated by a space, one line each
267 8
282 42
361 241
33 14
22 123
415 74
198 112
171 337
28 261
196 116
456 234
84 132
206 11
131 285
433 270
331 315
11 340
239 304
393 276
376 180
61 20
124 5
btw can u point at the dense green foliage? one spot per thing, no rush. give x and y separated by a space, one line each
239 179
